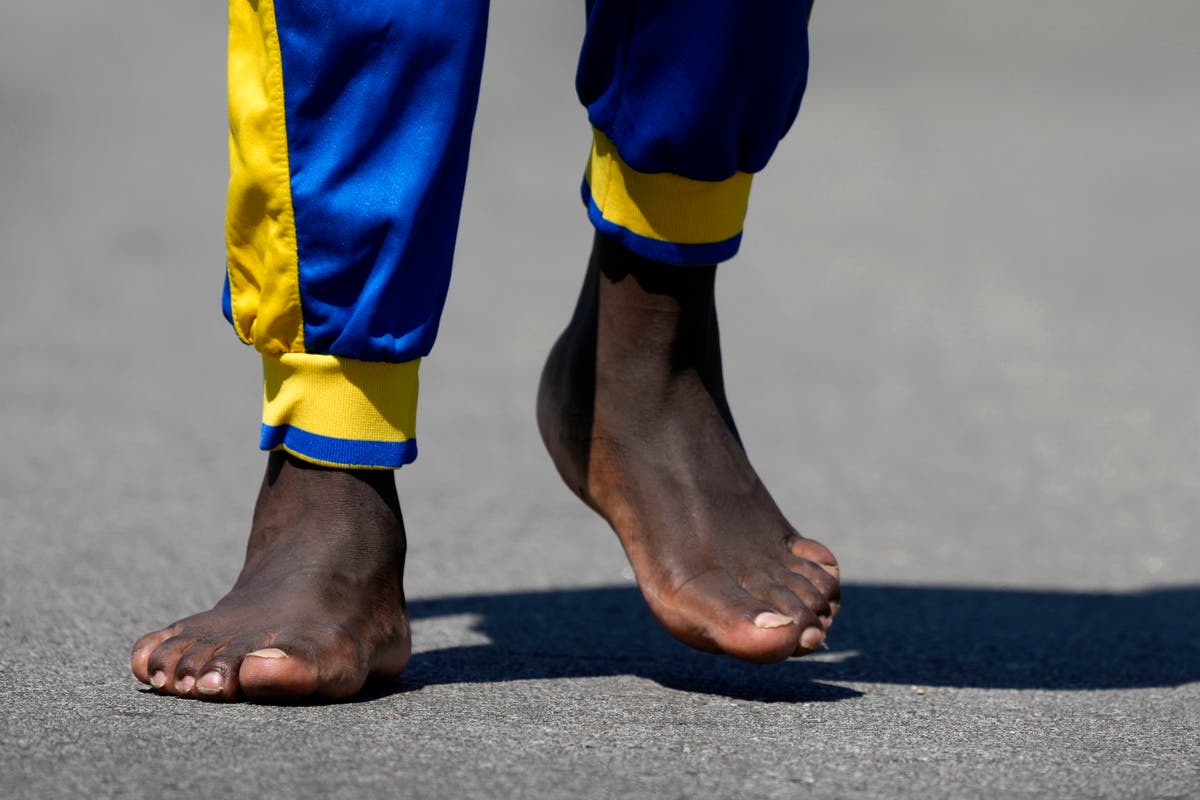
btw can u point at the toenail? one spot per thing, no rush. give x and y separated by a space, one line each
158 679
210 683
269 652
812 638
185 684
769 619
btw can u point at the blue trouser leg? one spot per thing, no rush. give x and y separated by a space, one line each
688 100
349 134
349 130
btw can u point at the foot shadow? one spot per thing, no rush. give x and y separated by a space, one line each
1019 639
931 636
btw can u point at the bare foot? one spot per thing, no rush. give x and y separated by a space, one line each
318 608
632 409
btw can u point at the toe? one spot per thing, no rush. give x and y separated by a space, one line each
163 660
818 576
803 606
139 660
331 666
802 603
725 617
814 598
216 679
811 640
283 672
814 551
190 666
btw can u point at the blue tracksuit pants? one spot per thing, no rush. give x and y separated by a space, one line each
350 126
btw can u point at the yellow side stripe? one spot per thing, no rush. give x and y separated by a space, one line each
260 223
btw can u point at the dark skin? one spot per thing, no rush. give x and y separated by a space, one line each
320 599
632 409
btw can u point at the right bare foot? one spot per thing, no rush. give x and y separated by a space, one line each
632 409
318 608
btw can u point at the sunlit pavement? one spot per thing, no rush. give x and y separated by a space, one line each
960 344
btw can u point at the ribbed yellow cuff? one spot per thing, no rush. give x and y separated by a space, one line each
340 412
673 218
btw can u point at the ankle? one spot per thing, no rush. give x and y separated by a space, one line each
320 484
686 283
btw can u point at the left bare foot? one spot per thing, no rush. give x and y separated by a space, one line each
319 607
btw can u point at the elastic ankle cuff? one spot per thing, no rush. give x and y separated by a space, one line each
339 412
662 216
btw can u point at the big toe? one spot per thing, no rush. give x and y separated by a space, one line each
719 613
328 668
274 673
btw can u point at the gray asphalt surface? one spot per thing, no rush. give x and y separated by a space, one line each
961 342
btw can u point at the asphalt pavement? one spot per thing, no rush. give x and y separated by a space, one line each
961 343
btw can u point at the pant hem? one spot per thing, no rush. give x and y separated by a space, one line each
664 216
340 412
658 249
344 453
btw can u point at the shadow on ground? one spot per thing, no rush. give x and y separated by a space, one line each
931 636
